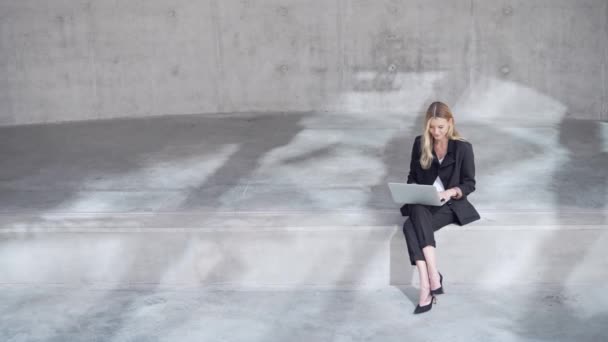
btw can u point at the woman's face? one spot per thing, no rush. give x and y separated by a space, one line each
439 128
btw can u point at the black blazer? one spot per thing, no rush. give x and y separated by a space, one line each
457 169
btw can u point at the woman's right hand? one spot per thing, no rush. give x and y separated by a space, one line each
445 196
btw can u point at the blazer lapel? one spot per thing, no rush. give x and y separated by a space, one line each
449 156
444 174
447 161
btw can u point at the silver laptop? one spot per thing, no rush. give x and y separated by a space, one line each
414 194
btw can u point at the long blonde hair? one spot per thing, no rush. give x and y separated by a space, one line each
436 110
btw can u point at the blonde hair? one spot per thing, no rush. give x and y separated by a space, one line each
436 110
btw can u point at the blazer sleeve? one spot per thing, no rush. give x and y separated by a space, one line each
467 171
411 177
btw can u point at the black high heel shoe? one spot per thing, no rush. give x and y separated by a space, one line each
438 290
420 309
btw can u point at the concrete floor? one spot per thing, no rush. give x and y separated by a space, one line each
547 313
296 161
283 166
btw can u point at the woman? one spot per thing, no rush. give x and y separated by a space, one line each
441 157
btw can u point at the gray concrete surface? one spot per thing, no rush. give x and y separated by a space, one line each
80 60
464 313
280 199
277 162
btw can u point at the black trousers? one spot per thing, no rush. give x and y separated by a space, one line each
419 229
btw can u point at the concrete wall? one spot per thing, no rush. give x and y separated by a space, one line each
77 60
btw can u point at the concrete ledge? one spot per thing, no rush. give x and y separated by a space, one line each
292 219
254 249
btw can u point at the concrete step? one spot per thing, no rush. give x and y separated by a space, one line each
175 220
294 249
